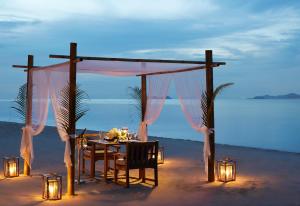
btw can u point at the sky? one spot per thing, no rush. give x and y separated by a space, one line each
259 39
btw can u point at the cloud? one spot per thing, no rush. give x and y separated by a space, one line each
157 9
259 35
183 53
223 31
53 10
272 29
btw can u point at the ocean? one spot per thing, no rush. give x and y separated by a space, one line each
269 124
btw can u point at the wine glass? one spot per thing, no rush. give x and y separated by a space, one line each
101 135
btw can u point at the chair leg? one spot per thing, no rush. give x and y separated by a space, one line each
92 161
108 165
115 171
92 168
143 175
156 176
127 178
83 166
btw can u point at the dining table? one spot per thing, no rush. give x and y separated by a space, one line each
106 145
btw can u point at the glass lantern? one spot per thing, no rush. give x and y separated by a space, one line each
11 167
226 170
52 187
160 155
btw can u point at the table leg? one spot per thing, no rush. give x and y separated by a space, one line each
92 173
105 162
78 164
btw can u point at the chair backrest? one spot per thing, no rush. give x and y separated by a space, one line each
82 133
142 154
92 136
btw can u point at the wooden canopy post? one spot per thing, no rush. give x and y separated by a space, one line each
28 120
72 116
211 120
144 103
144 95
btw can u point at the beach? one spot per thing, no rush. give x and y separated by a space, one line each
264 177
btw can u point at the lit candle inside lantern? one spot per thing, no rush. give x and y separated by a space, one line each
53 189
160 155
226 170
12 168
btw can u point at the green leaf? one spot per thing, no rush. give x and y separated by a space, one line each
207 109
21 102
136 94
80 107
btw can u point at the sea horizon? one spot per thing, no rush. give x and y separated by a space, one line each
265 124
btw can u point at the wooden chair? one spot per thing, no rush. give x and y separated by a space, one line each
93 153
139 155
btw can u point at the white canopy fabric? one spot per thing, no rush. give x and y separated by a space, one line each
119 68
49 81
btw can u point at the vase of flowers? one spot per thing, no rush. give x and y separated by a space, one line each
116 134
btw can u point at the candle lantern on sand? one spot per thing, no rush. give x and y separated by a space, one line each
160 155
52 187
226 170
11 166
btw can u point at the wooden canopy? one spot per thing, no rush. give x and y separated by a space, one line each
208 65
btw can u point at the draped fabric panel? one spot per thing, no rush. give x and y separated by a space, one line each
39 115
157 90
48 81
59 81
189 88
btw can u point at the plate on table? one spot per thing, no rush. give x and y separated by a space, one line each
108 139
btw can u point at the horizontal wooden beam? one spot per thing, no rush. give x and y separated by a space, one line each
24 66
174 71
133 60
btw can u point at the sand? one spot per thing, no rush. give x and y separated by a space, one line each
264 177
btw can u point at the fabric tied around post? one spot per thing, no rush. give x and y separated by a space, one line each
26 149
142 132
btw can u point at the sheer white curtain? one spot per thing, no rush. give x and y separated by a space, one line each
46 81
59 80
157 90
39 114
189 88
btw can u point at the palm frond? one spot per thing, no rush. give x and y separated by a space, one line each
220 88
21 102
136 94
207 109
204 108
80 108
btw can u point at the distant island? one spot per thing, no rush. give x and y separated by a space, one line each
284 96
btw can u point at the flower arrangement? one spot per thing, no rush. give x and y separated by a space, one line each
117 134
